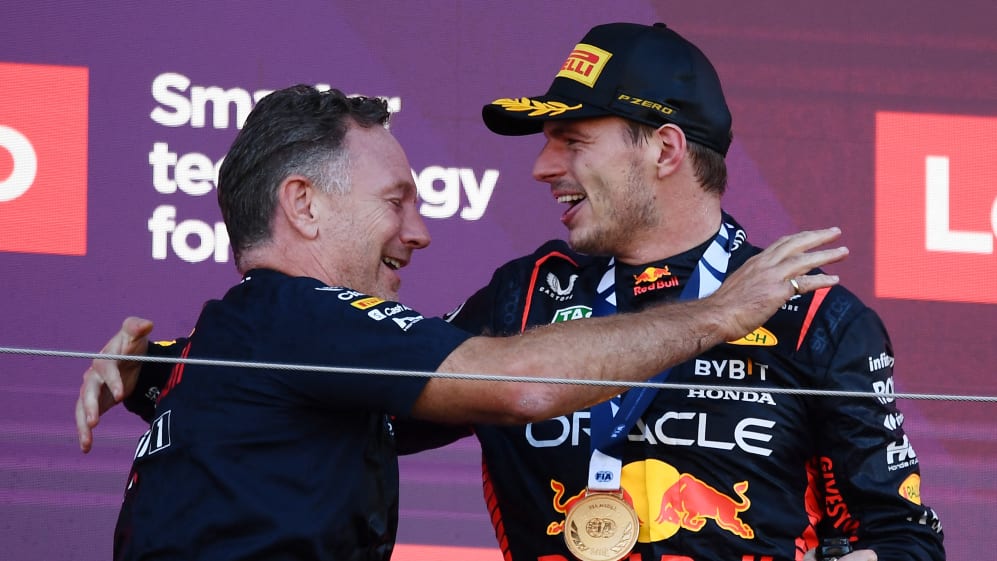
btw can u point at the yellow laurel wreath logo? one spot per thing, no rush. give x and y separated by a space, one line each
536 108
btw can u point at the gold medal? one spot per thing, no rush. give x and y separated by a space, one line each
601 527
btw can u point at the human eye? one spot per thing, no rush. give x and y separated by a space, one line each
572 139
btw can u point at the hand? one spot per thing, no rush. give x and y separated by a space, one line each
107 382
857 555
755 291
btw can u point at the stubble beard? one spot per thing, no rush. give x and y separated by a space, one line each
622 217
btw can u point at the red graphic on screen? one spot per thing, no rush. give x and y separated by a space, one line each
936 207
43 159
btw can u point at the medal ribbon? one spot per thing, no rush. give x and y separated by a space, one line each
612 420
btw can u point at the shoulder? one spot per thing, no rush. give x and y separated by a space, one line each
832 308
822 322
553 257
525 290
306 301
819 318
551 252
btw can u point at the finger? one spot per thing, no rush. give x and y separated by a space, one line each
106 375
133 330
131 335
814 259
802 241
136 328
84 431
795 266
90 396
810 283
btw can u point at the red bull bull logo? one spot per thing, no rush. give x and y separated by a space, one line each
652 274
654 278
668 501
690 502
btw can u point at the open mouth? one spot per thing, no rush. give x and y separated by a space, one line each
392 264
572 199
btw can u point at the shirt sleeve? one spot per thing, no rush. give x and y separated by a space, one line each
868 463
152 377
375 354
412 435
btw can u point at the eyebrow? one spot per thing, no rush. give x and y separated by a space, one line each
405 188
557 130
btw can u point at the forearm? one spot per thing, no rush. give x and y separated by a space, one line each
623 347
619 348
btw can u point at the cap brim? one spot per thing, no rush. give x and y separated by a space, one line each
527 115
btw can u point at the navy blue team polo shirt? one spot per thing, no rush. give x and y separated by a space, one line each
246 463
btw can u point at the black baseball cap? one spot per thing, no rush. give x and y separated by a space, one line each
645 73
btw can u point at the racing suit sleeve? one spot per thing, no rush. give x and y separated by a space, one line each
476 314
152 377
869 468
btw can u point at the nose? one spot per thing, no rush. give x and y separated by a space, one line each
549 165
414 233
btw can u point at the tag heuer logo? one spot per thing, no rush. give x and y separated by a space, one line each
572 313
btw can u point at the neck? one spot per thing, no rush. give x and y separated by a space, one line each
274 256
681 231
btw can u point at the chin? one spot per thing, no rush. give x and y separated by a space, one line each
586 246
387 293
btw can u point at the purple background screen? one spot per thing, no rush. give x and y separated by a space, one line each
805 84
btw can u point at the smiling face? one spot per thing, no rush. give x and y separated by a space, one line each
592 165
370 232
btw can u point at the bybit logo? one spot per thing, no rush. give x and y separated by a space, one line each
43 159
936 207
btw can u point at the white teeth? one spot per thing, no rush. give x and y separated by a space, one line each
391 263
569 198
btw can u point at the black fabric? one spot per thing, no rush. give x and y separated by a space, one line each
248 463
715 474
644 73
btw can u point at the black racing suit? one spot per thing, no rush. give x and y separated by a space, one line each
738 474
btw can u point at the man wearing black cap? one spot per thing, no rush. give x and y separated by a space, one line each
635 132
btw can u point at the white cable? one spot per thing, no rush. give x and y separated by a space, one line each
485 377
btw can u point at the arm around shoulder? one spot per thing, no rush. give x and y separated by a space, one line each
619 348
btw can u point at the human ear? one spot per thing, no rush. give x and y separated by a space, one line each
671 144
296 203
